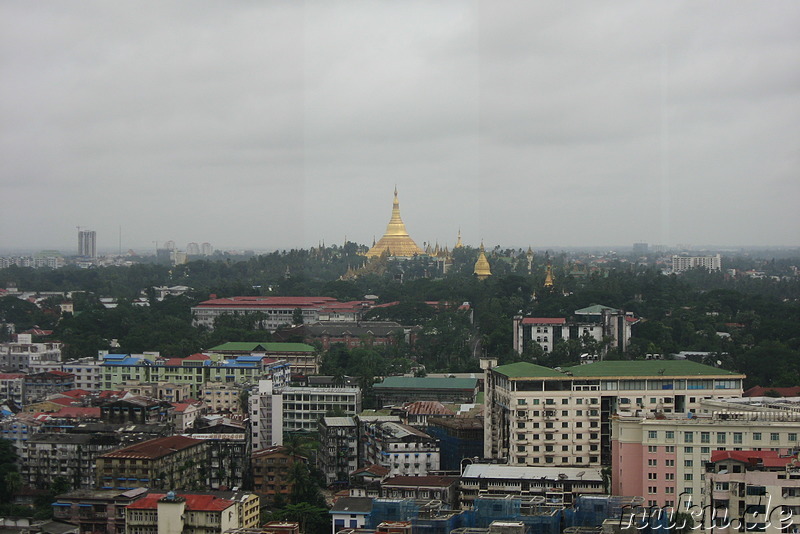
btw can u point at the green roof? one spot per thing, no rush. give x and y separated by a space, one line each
646 368
410 382
527 369
594 309
249 346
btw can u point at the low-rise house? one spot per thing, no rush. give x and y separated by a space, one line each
350 512
402 449
424 488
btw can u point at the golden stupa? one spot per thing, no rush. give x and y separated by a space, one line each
482 269
549 278
396 241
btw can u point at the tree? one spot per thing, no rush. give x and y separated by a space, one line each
297 316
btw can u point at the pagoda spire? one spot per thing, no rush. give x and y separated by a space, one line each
396 239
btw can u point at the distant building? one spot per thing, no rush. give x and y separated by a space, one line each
96 510
192 249
459 438
87 243
596 321
402 449
271 468
640 249
682 263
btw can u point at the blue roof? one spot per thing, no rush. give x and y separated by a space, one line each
127 361
231 363
249 358
115 356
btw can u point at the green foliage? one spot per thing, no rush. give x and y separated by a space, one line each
9 475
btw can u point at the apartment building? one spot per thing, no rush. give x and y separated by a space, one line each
682 263
663 455
271 472
11 387
22 353
757 491
597 322
38 386
338 452
44 456
277 410
171 462
402 449
302 358
536 415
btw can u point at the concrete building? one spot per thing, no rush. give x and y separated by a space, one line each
302 358
275 411
756 491
45 456
21 354
536 415
557 485
338 450
38 386
422 488
459 438
682 263
87 243
11 387
402 449
598 322
222 397
86 371
350 512
171 462
271 472
662 455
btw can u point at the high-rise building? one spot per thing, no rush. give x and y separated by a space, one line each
87 243
206 249
192 249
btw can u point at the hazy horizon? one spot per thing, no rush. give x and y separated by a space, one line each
281 125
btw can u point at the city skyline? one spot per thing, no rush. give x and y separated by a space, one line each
268 127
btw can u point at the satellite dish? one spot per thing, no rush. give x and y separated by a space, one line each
580 475
719 362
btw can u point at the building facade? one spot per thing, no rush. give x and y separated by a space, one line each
338 450
536 415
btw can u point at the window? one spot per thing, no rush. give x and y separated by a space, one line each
774 436
670 448
652 448
670 434
565 401
737 438
652 434
756 436
651 490
705 450
652 476
792 436
687 476
720 437
670 463
652 462
688 463
705 437
688 450
669 476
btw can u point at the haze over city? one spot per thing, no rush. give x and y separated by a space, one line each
280 125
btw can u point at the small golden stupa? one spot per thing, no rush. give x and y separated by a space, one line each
548 279
396 241
459 244
482 268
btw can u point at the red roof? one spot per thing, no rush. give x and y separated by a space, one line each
78 412
544 320
63 401
197 356
75 393
764 458
38 332
427 408
154 448
194 503
761 391
11 376
61 373
107 393
374 469
267 302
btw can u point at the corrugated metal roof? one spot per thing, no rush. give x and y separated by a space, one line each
407 382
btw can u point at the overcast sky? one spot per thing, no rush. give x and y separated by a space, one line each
280 124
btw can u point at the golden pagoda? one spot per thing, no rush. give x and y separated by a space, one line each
548 279
482 269
396 241
459 244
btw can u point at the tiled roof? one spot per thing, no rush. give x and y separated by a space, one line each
374 469
75 393
427 408
526 369
544 320
154 448
763 458
267 302
761 391
194 503
265 347
78 412
352 505
654 368
11 376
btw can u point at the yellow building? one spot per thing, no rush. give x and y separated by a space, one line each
396 241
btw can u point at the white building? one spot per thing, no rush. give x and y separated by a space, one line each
682 263
536 415
276 410
402 449
87 373
25 355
